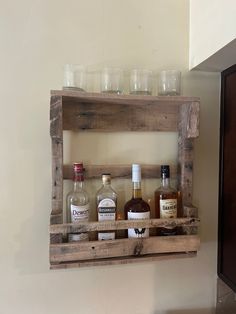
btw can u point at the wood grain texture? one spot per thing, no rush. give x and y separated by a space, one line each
117 171
104 112
122 260
187 130
57 164
122 224
191 212
123 99
124 247
114 117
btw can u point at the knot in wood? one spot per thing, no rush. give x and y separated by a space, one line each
138 249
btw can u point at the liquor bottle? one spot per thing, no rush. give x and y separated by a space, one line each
106 199
137 208
166 202
78 204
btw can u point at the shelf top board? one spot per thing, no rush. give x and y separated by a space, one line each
99 97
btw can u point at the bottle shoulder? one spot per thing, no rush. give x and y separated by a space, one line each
165 190
106 192
79 197
137 205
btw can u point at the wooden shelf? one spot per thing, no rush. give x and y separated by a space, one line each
80 111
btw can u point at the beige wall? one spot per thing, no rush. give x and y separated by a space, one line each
37 38
212 27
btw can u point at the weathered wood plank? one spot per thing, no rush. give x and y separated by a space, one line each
57 154
123 99
57 164
124 247
113 117
190 212
188 129
121 224
122 260
189 114
117 171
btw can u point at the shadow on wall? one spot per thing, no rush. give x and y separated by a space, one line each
188 311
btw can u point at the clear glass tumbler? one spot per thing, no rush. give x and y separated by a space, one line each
112 80
141 82
169 83
75 77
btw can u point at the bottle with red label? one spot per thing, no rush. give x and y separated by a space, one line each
106 200
78 203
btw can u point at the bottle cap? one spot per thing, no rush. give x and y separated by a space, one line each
106 178
78 167
136 173
165 171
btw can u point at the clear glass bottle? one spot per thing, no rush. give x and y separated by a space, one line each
106 199
137 208
78 204
167 204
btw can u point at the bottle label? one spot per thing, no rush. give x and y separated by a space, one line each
168 208
138 233
79 213
106 210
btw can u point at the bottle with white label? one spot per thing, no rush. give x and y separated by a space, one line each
106 199
78 204
137 208
166 202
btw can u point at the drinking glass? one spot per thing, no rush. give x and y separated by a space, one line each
141 82
112 80
74 77
169 83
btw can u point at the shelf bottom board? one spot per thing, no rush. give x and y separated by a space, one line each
122 260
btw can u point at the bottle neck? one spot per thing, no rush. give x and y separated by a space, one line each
137 192
78 181
165 182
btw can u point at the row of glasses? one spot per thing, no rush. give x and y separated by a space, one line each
112 80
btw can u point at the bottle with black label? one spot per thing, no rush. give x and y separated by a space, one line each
78 203
106 199
137 208
166 202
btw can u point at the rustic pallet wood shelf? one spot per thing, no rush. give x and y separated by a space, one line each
81 111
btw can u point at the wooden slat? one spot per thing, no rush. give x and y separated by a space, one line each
188 129
123 99
124 247
121 224
57 164
122 260
113 117
117 171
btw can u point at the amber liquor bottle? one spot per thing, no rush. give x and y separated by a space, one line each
78 204
167 202
106 199
137 208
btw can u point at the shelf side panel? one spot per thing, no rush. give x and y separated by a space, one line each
57 164
188 130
